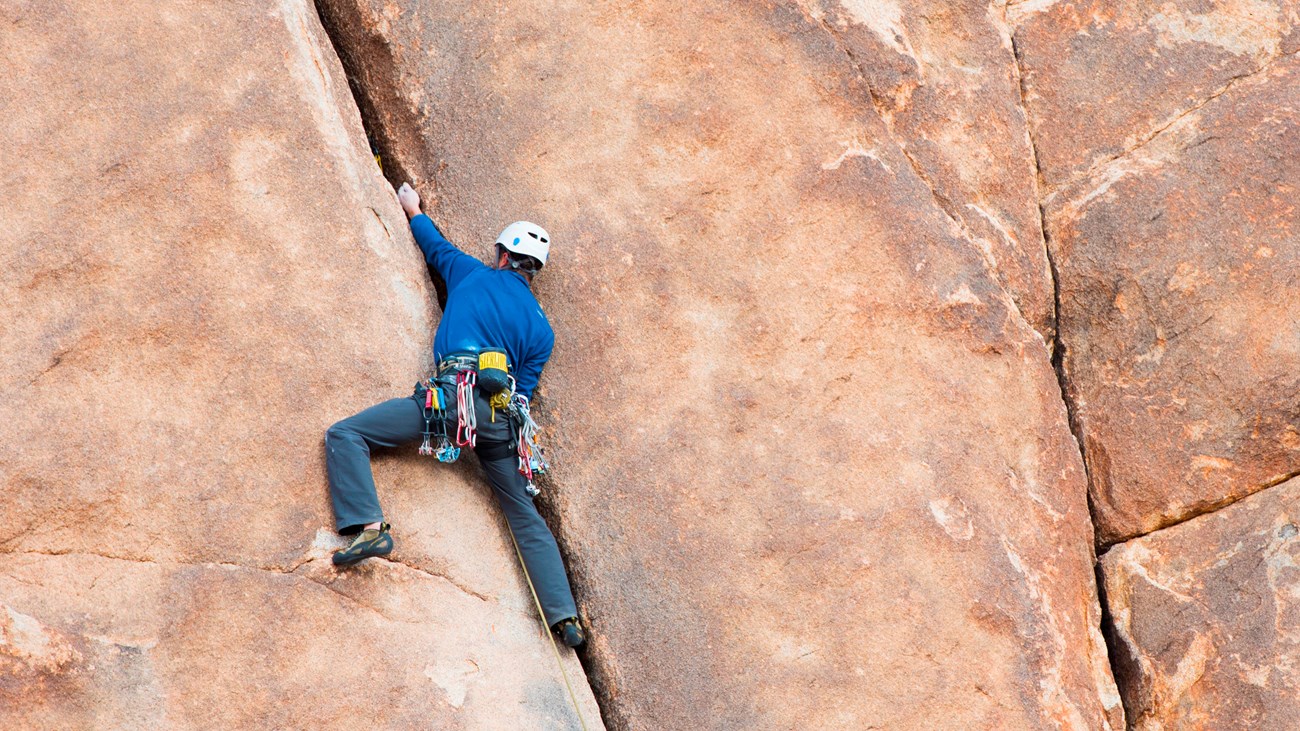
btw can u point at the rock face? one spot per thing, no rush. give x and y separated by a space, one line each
1176 260
944 81
813 468
202 270
1206 615
94 642
1103 77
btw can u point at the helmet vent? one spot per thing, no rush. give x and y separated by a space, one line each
544 241
530 233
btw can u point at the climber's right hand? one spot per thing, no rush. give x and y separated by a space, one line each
409 199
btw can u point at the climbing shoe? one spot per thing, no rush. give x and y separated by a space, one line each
370 542
570 632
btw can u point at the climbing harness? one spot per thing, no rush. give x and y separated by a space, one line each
489 372
546 628
435 425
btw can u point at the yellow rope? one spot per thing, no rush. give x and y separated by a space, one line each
547 628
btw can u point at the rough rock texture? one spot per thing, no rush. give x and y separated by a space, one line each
813 465
1207 614
1102 77
944 80
1177 273
202 269
93 642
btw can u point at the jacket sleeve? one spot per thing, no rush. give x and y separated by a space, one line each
452 263
528 373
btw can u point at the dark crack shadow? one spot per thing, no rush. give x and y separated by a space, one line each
1118 668
390 124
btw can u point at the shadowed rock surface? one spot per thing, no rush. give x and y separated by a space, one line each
1177 272
202 269
1206 614
813 469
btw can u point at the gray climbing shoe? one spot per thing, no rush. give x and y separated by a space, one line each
371 542
570 632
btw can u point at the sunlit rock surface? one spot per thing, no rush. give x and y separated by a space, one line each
1104 77
944 80
203 269
813 464
813 467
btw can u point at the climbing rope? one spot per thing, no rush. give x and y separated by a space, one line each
530 461
503 398
546 628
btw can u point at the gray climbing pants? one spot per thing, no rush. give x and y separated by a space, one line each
400 421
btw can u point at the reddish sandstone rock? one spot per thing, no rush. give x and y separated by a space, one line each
107 643
1179 302
1102 77
1205 617
202 270
813 469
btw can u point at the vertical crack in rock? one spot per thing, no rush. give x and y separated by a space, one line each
1129 660
602 686
1163 145
1055 342
1058 353
400 125
392 125
1123 665
1057 345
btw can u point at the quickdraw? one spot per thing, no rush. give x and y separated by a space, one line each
531 460
435 425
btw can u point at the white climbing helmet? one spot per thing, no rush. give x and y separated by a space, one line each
529 239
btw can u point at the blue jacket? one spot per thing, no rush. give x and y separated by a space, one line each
486 308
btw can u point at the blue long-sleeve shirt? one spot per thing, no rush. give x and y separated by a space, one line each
486 308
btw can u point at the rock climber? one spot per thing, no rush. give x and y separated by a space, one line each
488 309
